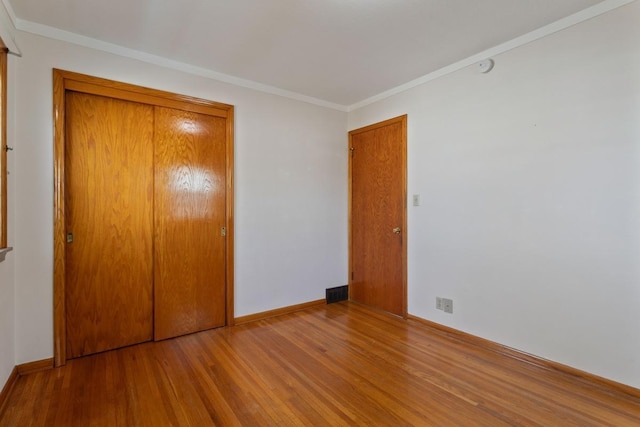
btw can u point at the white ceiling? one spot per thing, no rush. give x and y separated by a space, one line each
339 51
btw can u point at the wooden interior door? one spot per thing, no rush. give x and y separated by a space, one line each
377 253
190 176
109 219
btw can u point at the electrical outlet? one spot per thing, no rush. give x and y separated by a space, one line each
448 305
439 305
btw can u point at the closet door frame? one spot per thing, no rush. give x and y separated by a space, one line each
64 81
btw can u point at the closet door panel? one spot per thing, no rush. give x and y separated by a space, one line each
189 211
109 220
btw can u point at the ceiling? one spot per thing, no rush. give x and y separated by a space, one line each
338 51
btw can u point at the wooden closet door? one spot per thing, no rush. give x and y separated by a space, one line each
190 188
109 220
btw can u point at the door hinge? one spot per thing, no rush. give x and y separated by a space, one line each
351 150
223 231
352 275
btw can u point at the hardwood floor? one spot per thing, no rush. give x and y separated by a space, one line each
340 364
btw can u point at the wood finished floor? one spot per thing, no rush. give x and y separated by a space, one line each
340 364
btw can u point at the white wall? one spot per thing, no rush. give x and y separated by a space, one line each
7 337
7 282
529 178
291 197
7 311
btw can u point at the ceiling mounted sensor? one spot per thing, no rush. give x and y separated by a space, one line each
485 66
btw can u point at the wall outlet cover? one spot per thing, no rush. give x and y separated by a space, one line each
448 305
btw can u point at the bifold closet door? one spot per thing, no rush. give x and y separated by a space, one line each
109 223
189 211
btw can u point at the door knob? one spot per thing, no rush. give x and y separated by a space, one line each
396 230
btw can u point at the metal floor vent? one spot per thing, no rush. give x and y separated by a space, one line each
339 293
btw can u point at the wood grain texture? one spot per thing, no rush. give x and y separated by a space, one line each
190 212
3 144
109 202
35 366
59 222
377 255
277 312
528 358
6 389
4 174
124 91
230 202
64 81
337 364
